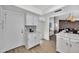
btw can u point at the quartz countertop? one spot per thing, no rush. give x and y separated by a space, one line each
69 35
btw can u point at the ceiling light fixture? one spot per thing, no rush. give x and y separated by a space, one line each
71 18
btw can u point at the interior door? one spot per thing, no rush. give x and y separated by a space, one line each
13 29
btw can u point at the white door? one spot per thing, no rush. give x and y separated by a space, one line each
74 47
61 45
1 35
13 29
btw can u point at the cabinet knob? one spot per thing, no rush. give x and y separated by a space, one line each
66 43
70 45
22 31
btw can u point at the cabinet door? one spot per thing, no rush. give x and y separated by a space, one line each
1 30
74 47
13 29
61 44
37 39
31 40
29 19
35 20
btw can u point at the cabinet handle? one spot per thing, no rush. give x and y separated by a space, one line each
22 31
66 43
70 45
2 24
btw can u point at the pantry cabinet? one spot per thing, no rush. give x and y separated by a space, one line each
32 38
1 30
14 26
11 30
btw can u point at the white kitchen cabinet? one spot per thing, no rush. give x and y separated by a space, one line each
74 47
13 30
32 40
35 20
62 44
1 30
31 19
67 43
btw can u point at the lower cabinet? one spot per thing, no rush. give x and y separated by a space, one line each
66 45
32 40
74 48
62 44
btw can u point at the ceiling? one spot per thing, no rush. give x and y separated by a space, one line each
41 9
47 8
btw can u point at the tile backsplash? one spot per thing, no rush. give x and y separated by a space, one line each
67 24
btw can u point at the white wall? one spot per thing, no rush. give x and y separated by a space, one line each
51 20
46 28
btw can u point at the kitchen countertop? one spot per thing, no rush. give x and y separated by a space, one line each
69 35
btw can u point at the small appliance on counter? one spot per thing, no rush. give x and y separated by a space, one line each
78 31
30 28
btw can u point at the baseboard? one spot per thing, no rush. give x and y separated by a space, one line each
7 49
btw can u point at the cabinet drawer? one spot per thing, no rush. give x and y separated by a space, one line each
74 40
74 47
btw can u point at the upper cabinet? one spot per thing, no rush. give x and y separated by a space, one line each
31 19
35 19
